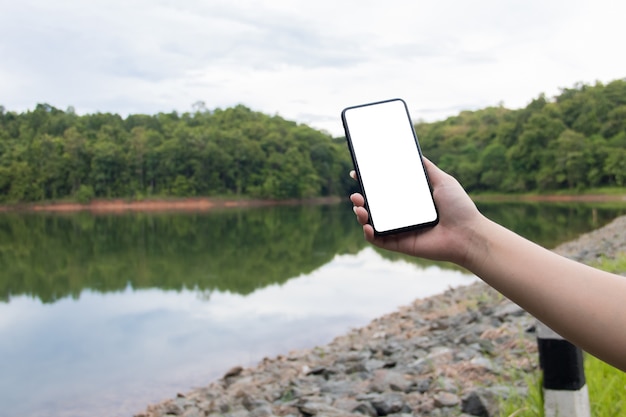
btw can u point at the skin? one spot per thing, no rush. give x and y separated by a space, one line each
585 305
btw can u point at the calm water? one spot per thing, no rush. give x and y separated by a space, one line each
101 315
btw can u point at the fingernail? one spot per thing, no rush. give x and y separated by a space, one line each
354 209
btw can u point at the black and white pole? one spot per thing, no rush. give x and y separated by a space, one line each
564 386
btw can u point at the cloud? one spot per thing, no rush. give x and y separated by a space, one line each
302 60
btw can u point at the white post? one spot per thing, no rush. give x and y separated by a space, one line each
565 391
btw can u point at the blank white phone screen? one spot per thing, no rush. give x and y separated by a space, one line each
389 165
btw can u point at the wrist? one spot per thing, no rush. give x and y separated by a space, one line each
475 243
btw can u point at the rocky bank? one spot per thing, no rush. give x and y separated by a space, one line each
447 355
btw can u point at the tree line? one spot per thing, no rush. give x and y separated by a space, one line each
48 154
574 141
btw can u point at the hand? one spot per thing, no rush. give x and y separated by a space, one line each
448 240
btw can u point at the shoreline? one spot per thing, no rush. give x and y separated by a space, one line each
195 204
200 204
552 198
456 352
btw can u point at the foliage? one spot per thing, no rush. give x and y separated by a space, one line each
51 154
616 265
573 142
606 388
84 194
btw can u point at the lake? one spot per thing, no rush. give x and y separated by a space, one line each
104 314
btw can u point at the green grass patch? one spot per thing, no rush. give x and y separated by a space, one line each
601 191
606 386
615 265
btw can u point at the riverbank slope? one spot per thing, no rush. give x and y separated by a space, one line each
440 356
120 205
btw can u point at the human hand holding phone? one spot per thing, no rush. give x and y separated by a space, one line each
448 240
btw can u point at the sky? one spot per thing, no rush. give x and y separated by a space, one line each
303 60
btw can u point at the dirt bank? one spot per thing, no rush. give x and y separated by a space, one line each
209 203
162 205
573 198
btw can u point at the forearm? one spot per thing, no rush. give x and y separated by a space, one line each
585 305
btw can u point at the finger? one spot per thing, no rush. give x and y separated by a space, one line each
362 216
357 199
353 174
368 232
435 174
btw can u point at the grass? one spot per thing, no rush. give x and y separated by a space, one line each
616 265
606 384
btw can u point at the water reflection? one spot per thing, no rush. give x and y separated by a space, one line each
114 353
51 256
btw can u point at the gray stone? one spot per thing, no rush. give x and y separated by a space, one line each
482 362
389 403
421 385
173 409
374 364
193 412
446 399
318 407
234 371
262 411
509 309
357 367
365 408
480 402
385 380
339 387
346 404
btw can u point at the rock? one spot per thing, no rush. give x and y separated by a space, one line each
509 309
318 370
313 408
193 412
389 403
374 364
262 411
482 362
232 372
340 387
446 399
346 404
481 403
365 408
421 385
174 409
385 380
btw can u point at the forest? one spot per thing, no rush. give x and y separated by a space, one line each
50 154
574 141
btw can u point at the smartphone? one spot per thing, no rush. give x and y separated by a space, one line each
389 166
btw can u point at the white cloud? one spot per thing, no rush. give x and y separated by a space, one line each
303 60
